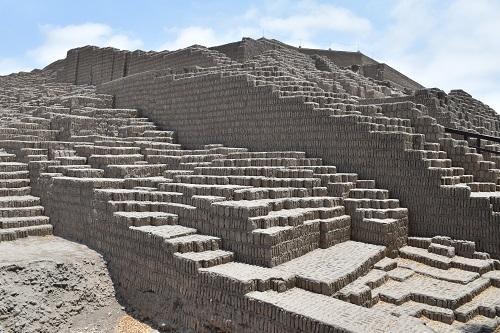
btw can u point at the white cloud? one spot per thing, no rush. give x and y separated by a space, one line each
9 66
204 36
293 22
449 46
312 18
58 40
192 35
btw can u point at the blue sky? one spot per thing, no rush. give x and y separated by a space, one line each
440 43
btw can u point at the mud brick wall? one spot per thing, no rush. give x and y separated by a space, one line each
70 67
87 57
384 72
93 65
235 51
232 111
341 58
160 284
247 48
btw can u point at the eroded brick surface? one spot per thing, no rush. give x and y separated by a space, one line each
256 196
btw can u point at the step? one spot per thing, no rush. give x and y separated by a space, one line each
352 204
149 206
365 183
15 233
334 230
17 222
101 161
368 193
437 162
191 262
345 178
19 201
320 169
84 173
244 278
21 211
258 193
193 189
447 251
191 166
452 274
16 191
383 213
431 291
139 219
326 271
4 157
14 175
418 310
156 133
284 162
258 181
137 195
360 292
425 257
172 173
340 189
87 150
154 181
389 232
294 217
33 151
298 310
267 154
454 180
485 304
244 209
174 152
32 158
132 130
134 170
13 166
176 160
156 145
445 262
480 266
193 243
150 138
482 187
71 160
63 168
14 183
164 232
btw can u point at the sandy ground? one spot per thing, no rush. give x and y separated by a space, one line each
49 284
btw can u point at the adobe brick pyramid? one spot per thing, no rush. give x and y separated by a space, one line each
257 187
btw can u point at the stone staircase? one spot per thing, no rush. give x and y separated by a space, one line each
21 214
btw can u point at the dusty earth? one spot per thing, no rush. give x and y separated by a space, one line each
49 284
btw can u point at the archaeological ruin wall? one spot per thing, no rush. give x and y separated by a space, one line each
232 223
233 112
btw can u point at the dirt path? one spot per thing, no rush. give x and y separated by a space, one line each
49 284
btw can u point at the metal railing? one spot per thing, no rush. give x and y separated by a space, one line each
478 137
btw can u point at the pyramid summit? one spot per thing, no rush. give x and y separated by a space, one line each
260 187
